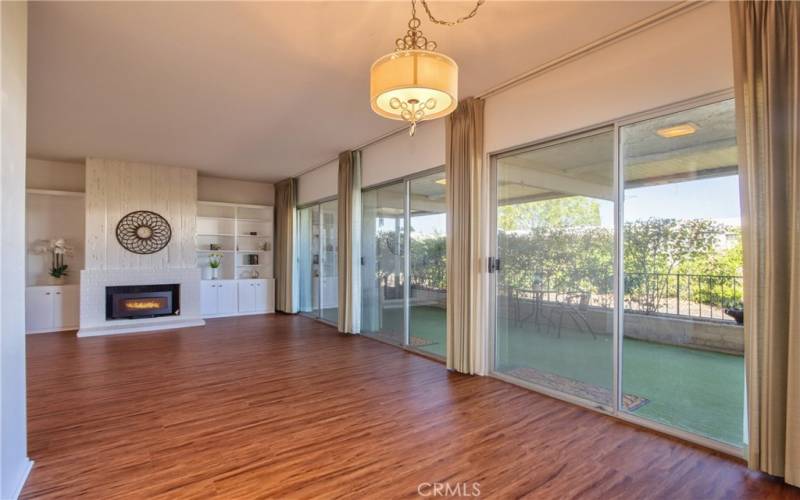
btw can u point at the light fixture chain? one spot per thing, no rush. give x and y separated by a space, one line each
442 21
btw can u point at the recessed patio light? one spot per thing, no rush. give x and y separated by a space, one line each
679 130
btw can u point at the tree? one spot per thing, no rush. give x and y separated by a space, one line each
559 212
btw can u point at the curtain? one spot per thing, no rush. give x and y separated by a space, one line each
349 238
285 208
766 46
467 223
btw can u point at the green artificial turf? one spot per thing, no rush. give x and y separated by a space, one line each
697 391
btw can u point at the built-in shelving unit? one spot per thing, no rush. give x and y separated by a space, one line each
243 235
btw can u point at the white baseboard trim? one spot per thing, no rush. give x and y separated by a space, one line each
22 480
52 330
231 315
96 331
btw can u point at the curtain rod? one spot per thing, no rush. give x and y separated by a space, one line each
619 35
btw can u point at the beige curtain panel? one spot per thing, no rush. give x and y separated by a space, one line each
766 46
349 239
285 205
466 178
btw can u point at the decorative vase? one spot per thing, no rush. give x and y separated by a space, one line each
56 281
214 273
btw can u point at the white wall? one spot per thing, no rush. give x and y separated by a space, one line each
318 184
679 59
235 191
14 463
682 58
55 175
48 217
116 188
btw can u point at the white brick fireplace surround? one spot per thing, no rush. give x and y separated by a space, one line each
93 300
114 189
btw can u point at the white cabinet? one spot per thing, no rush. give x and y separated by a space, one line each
247 296
218 297
257 295
52 308
230 297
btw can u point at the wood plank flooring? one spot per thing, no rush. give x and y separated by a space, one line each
285 407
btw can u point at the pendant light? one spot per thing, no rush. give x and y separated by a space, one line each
416 83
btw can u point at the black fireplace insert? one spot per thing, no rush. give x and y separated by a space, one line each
142 301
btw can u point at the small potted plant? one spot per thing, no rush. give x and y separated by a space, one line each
214 261
58 250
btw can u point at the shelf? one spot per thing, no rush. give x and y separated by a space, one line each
249 265
218 234
199 250
253 236
260 221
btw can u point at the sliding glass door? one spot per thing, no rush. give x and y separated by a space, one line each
329 272
317 253
682 360
383 224
427 304
396 217
620 271
308 259
555 241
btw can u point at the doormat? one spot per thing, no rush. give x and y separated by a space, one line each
630 402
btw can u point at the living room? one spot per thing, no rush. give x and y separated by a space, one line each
391 249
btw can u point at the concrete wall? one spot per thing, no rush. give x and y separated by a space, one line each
717 336
14 463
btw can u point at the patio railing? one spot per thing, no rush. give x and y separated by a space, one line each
692 295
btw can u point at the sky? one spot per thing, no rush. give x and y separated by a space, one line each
715 198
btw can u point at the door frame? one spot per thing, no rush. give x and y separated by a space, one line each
616 409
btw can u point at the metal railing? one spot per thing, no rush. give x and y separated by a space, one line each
691 295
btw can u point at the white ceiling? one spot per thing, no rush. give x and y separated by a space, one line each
261 91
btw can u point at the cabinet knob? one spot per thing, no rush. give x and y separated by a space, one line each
58 293
47 293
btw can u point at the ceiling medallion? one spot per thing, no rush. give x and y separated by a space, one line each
416 83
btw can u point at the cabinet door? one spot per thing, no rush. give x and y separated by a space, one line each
247 296
66 307
261 295
208 298
39 309
226 297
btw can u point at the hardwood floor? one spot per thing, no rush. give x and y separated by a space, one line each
285 407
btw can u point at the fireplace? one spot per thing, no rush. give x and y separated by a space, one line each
142 301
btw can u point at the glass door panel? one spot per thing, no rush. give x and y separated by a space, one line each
682 358
305 260
382 271
329 286
555 294
427 266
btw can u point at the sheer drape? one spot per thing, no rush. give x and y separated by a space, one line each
766 45
285 208
349 237
467 222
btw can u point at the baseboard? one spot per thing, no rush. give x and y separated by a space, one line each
22 480
231 315
141 328
52 330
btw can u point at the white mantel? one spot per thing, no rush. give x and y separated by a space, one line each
114 189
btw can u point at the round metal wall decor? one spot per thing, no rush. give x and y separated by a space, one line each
143 232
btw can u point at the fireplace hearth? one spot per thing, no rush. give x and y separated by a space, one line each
142 301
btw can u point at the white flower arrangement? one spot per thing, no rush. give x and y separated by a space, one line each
58 250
